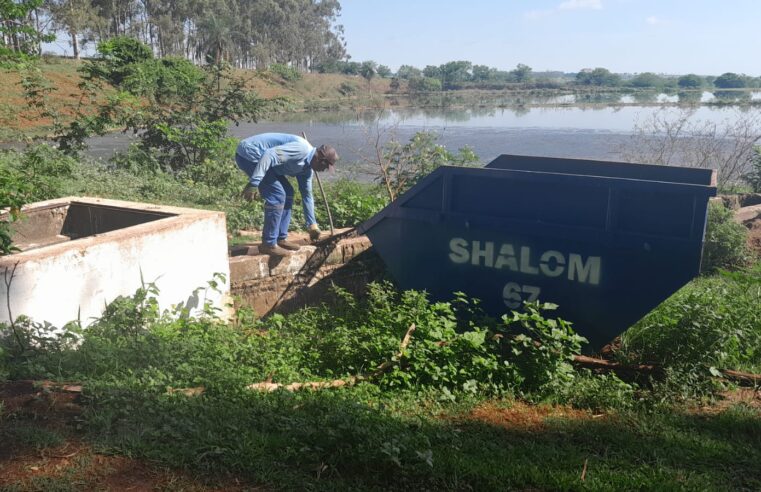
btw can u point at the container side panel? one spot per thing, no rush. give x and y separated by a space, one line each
429 198
655 213
554 203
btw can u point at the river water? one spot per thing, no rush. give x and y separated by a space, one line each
565 130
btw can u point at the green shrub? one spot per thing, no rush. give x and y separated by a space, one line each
712 322
352 202
347 88
543 352
285 72
725 240
406 164
454 348
424 84
163 80
37 173
117 57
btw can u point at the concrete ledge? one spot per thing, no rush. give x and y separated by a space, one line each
269 284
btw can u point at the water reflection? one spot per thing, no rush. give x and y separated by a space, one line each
732 96
691 97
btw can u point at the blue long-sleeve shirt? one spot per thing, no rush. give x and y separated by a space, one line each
286 155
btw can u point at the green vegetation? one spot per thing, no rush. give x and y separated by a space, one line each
730 80
690 81
599 77
444 415
725 241
20 37
712 322
421 394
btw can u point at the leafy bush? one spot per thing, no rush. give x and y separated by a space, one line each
725 240
37 173
352 203
424 84
543 352
285 72
179 112
117 57
347 88
403 165
14 192
453 349
163 80
712 322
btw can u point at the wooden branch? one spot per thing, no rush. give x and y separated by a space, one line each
741 378
655 370
268 387
619 369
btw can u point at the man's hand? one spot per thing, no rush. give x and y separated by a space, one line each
314 232
250 193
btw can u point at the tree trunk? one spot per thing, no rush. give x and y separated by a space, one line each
75 45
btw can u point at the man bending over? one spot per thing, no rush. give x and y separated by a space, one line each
268 159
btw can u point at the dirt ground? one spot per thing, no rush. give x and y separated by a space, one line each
42 448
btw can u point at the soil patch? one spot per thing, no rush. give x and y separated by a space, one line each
42 448
524 417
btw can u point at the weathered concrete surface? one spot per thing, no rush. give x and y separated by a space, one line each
179 249
741 200
746 215
269 284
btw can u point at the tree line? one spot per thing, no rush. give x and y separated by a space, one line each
245 33
464 74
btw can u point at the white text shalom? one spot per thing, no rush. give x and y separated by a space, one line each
522 259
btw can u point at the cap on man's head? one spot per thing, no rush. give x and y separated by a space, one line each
328 154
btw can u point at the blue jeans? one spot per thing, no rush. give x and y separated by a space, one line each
277 193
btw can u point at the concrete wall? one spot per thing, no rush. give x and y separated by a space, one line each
269 285
75 279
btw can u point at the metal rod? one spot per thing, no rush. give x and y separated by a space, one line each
322 192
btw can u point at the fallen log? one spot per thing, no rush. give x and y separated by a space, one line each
741 378
657 371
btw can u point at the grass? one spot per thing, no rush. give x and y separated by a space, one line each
364 439
713 321
361 440
423 434
451 414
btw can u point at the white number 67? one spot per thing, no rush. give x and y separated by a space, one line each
512 294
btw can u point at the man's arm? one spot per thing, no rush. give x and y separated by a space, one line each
269 159
307 201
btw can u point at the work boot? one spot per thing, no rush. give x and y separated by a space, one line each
273 250
288 245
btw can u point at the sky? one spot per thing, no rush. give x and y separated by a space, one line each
625 36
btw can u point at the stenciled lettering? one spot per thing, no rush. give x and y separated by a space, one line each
523 259
458 248
584 271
